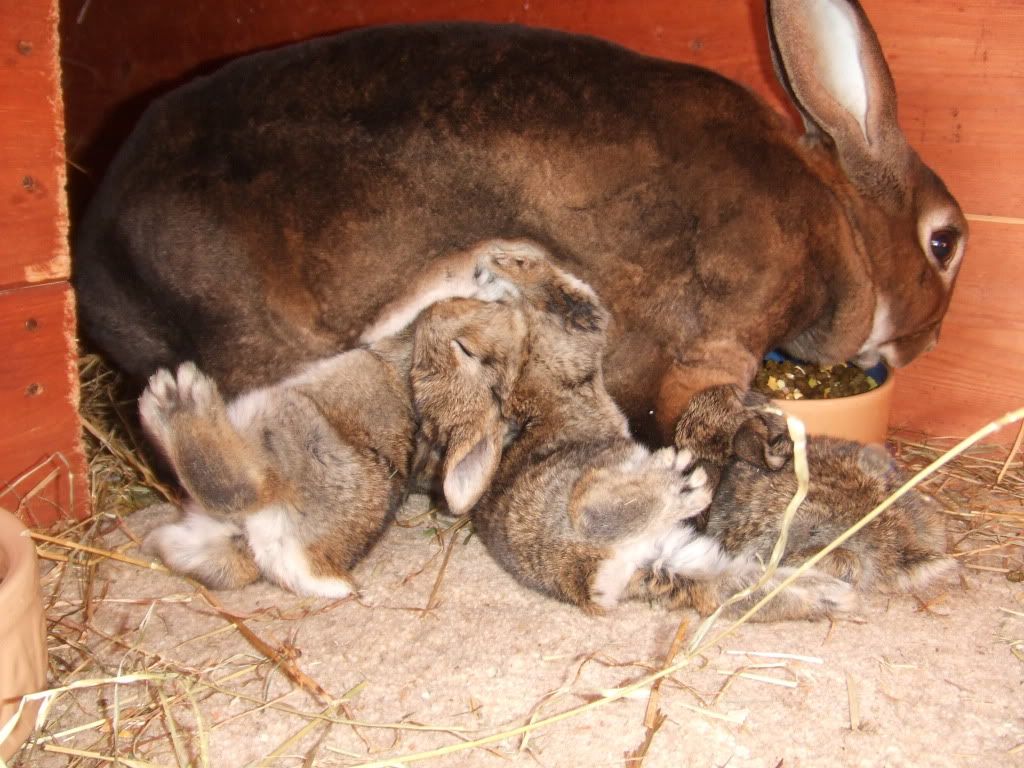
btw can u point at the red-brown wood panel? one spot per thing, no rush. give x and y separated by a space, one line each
33 210
41 457
959 69
959 72
119 53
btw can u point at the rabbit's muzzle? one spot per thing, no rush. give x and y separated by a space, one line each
903 350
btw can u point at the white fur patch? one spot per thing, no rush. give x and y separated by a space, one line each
679 550
282 558
837 35
194 540
246 408
882 330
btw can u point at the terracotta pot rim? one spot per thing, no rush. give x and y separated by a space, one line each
18 561
23 631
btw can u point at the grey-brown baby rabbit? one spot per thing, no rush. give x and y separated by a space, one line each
560 493
294 482
297 480
903 549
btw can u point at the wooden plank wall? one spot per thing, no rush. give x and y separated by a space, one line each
42 468
957 64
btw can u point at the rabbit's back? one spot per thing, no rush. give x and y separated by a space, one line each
261 217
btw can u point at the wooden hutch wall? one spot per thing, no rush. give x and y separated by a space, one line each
958 68
42 468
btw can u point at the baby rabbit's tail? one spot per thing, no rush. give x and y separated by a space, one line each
920 568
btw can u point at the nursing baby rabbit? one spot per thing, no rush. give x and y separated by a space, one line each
295 481
904 548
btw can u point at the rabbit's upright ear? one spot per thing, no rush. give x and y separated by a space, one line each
828 58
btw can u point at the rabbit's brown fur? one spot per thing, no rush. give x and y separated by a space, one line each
297 480
904 548
261 218
568 502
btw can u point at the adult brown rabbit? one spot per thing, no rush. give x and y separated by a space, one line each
559 492
262 217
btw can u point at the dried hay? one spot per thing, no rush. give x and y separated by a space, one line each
982 492
116 700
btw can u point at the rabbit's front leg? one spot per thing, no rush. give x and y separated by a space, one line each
188 420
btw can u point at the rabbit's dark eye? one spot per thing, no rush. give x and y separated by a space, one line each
942 244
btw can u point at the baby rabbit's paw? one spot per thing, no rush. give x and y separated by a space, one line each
689 481
505 265
719 426
763 440
514 259
169 398
822 595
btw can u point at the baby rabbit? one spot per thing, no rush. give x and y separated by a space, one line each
296 481
560 493
903 549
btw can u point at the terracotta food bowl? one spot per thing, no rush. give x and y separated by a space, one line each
22 631
863 418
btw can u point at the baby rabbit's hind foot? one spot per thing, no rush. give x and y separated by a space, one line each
169 398
644 495
188 420
213 552
688 482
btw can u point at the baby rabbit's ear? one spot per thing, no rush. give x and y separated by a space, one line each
827 56
470 465
475 443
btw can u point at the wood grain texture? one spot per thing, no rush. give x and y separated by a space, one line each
958 68
40 451
33 210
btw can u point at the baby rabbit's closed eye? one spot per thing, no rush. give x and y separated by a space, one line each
466 356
